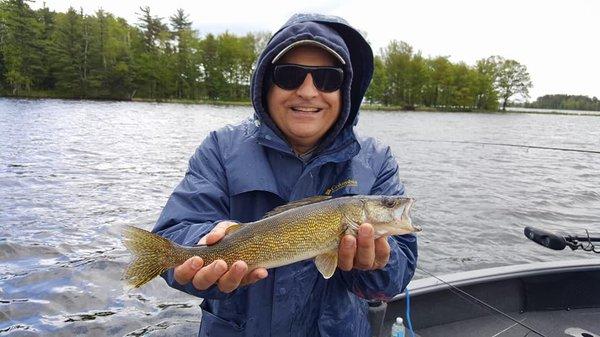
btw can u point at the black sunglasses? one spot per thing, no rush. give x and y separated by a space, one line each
291 76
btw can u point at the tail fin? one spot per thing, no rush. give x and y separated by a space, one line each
152 255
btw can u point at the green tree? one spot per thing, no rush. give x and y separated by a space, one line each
416 80
439 89
72 55
20 45
185 73
511 79
153 30
154 63
463 83
112 59
377 91
486 97
46 78
236 56
211 75
566 102
3 82
396 58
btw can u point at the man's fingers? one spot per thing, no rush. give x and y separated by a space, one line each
382 252
346 252
255 276
184 273
232 278
208 275
365 248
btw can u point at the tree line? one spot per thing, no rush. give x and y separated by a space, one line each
403 77
76 55
101 56
565 102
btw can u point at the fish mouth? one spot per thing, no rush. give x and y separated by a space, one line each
405 219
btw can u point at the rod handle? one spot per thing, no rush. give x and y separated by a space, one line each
545 238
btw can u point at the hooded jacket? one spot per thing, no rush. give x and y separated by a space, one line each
242 171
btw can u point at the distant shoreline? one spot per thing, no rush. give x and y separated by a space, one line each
369 107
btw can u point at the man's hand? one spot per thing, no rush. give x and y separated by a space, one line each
363 252
227 279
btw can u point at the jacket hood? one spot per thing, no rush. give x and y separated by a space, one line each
336 34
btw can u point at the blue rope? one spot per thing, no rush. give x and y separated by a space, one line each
408 320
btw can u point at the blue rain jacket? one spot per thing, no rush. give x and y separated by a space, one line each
242 171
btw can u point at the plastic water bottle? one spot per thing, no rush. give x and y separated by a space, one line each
398 328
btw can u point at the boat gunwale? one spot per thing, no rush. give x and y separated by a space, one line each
487 275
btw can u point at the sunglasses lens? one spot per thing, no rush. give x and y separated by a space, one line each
328 79
289 77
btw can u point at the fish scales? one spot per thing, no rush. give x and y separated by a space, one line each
281 238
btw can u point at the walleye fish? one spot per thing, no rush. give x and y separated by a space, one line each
304 229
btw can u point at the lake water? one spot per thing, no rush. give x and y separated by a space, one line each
72 172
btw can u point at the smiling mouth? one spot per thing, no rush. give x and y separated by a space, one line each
306 109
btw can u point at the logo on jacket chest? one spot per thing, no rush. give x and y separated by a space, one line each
346 183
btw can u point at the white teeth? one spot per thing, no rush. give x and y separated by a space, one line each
305 109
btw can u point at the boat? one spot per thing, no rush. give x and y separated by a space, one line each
558 298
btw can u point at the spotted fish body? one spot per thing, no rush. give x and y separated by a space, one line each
309 228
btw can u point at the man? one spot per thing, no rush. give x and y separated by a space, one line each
306 90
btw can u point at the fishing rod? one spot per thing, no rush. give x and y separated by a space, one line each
558 241
503 144
466 296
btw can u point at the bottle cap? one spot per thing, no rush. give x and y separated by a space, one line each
399 320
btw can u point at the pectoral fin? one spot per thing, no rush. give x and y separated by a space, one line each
326 263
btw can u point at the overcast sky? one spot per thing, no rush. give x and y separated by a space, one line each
558 41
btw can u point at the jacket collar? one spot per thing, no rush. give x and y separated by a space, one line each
342 148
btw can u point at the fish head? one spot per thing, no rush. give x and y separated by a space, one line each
389 215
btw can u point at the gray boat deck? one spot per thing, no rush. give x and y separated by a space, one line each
577 322
556 299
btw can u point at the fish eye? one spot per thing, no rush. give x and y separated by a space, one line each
389 202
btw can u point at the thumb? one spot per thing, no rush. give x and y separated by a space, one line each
216 234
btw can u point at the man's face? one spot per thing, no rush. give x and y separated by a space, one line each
304 114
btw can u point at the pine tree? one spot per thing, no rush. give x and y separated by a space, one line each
185 73
69 54
20 45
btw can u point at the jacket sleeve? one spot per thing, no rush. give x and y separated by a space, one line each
196 205
383 284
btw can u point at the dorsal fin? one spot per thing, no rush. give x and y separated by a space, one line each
297 203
